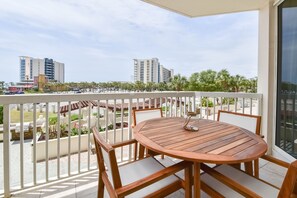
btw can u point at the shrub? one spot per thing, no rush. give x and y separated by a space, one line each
231 101
206 101
74 131
53 120
75 117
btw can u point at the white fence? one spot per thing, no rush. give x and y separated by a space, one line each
27 163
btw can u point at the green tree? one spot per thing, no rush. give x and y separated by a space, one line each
236 83
207 80
223 80
150 86
139 86
178 83
245 85
1 87
194 82
253 84
1 114
162 86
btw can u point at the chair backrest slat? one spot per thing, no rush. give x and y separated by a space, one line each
145 114
249 122
106 156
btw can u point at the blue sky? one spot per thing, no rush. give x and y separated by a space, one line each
98 39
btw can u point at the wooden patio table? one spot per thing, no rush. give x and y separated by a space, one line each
215 142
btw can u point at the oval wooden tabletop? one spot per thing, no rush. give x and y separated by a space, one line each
215 142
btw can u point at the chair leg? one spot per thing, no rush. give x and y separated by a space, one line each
256 168
100 193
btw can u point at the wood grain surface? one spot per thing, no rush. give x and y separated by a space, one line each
215 142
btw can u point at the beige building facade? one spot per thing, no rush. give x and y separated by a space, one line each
150 70
32 67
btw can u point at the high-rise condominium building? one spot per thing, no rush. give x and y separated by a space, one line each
150 70
32 67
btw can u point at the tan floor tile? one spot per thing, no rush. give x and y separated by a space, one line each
85 186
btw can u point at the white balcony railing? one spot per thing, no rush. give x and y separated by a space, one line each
28 162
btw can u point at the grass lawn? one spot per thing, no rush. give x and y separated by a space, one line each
28 116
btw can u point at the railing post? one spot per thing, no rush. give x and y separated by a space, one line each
260 106
6 151
194 104
129 125
34 146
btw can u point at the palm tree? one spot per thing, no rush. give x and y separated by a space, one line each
139 86
207 80
253 84
245 85
194 83
150 86
162 86
126 86
236 83
223 80
178 83
93 86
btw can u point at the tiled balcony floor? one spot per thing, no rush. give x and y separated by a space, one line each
86 185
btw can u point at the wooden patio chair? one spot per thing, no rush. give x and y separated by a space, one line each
249 122
140 115
227 181
140 178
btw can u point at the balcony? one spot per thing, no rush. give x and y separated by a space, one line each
56 161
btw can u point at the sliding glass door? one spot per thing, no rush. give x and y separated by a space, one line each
286 133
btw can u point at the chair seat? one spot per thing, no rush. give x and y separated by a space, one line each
261 188
139 169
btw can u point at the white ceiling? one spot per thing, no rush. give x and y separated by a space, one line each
195 8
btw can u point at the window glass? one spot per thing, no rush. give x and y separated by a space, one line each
286 133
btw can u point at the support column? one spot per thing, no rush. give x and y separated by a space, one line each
267 71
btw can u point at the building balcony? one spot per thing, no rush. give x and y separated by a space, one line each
40 153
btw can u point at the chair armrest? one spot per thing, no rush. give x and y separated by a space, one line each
124 143
130 188
276 161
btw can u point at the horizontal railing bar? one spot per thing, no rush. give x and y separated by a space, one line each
43 98
229 95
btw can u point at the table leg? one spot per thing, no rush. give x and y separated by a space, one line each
141 151
249 168
188 181
196 179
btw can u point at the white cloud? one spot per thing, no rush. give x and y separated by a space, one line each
104 36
